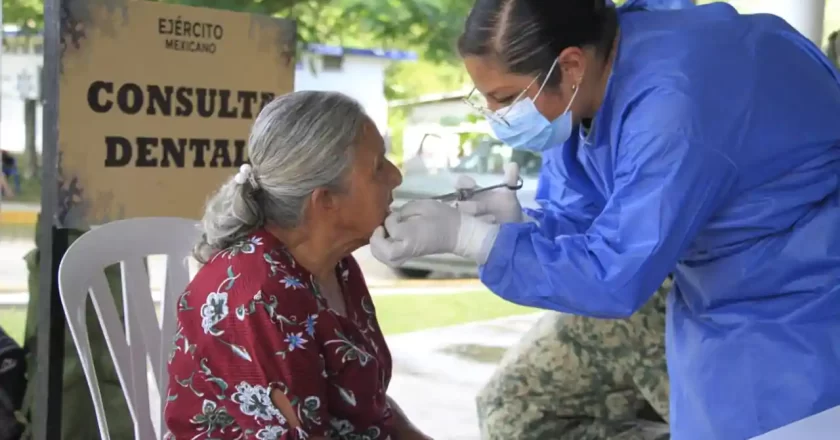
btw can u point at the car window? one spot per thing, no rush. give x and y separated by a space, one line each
490 157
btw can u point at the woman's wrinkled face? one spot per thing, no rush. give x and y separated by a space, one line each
366 202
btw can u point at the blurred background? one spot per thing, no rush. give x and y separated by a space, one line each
397 58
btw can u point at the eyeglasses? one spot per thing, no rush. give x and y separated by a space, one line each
495 116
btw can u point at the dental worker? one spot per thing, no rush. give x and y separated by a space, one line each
695 141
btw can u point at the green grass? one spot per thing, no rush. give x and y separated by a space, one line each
406 313
16 232
13 321
396 313
30 189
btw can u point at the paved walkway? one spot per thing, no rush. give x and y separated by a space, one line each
13 272
438 372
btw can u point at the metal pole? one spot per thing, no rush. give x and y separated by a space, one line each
807 17
53 243
30 123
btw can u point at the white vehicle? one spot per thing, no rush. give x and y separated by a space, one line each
486 165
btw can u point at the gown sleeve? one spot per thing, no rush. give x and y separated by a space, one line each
668 181
565 207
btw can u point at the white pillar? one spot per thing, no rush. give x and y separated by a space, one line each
805 15
1 66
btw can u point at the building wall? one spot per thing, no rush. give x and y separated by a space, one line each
363 78
11 113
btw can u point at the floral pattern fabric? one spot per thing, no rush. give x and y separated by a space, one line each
253 321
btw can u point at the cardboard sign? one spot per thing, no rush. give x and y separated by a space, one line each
155 104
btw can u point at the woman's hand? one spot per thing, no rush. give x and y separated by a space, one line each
498 205
428 227
405 430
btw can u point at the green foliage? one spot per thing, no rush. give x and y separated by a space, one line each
397 118
24 12
429 26
432 26
424 77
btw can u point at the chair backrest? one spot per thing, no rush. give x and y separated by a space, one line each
81 273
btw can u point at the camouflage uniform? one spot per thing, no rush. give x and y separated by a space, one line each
578 378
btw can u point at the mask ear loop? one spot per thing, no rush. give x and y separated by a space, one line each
545 81
575 88
523 92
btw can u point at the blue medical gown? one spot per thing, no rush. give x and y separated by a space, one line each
716 157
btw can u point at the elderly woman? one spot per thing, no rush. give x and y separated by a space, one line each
277 334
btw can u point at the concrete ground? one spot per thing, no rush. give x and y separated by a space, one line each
438 373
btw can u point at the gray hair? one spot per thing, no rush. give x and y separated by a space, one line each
299 142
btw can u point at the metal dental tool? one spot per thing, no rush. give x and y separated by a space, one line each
468 193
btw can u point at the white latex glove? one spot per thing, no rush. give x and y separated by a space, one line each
428 227
499 205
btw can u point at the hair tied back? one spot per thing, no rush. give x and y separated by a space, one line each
246 174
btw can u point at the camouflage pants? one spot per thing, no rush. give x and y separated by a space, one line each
578 378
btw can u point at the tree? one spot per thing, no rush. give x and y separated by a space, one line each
23 12
431 26
427 26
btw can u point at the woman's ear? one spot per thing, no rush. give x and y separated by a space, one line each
572 63
322 200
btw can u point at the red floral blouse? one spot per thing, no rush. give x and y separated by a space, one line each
253 320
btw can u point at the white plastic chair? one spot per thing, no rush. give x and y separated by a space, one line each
81 272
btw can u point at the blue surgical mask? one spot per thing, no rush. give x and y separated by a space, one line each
522 126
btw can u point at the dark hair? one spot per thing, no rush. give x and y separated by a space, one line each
526 36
